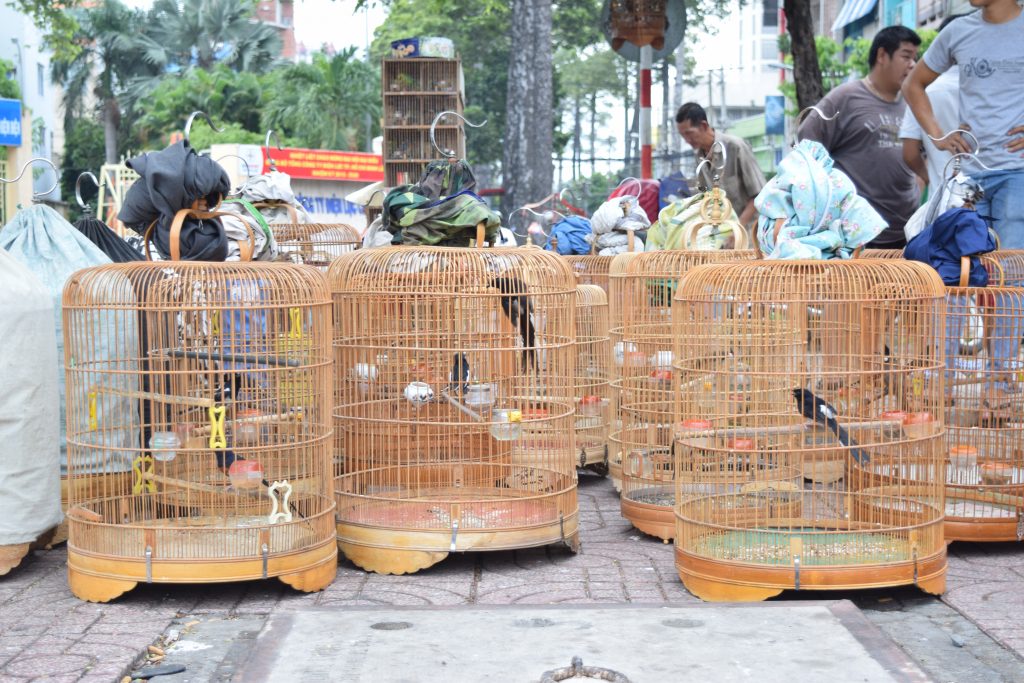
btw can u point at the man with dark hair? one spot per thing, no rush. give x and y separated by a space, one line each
987 48
741 179
863 138
919 152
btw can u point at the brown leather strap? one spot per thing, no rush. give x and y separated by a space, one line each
245 249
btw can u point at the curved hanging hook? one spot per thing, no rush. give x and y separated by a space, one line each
573 205
955 160
266 148
639 185
191 118
537 218
24 167
248 169
803 114
961 131
78 188
441 115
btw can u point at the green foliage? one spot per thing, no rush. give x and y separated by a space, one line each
57 24
229 97
325 103
203 137
83 151
9 88
592 191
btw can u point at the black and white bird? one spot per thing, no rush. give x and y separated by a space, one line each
822 412
518 310
459 376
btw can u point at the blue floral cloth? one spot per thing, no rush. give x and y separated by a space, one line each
824 216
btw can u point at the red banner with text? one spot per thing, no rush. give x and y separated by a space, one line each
325 164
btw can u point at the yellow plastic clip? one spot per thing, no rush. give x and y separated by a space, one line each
218 439
296 323
141 466
93 422
214 323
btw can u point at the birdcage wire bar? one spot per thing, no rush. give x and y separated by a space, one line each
592 269
315 244
616 303
646 399
198 424
759 343
593 382
984 405
1006 266
455 394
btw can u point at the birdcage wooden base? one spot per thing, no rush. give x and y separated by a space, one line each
653 520
721 581
95 578
593 455
12 555
983 516
392 551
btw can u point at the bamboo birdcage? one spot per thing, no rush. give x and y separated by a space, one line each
199 426
616 303
1007 266
646 403
315 244
593 381
592 269
856 345
882 253
454 382
984 406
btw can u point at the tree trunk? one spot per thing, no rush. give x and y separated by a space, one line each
526 165
806 72
593 133
111 119
577 139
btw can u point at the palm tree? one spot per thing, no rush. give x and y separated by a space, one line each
96 77
325 103
202 33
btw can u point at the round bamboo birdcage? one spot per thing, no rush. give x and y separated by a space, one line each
616 302
315 244
199 426
1006 266
882 253
593 381
984 414
455 391
646 399
832 370
591 269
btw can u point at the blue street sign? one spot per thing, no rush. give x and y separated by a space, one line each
10 123
774 115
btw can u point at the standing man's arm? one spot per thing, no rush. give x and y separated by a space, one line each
752 180
913 158
936 60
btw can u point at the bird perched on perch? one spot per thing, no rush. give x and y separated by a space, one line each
518 310
459 376
821 412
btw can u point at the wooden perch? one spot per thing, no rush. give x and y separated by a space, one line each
193 401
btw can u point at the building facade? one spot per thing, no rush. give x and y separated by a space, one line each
281 15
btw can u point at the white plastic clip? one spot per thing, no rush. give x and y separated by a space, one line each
279 512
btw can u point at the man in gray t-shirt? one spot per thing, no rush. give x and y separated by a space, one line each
863 138
988 47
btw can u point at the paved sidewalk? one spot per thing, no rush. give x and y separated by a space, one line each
48 635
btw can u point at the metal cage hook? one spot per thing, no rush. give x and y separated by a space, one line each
961 131
78 188
955 160
266 148
803 114
441 115
248 168
37 195
191 118
639 185
572 205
